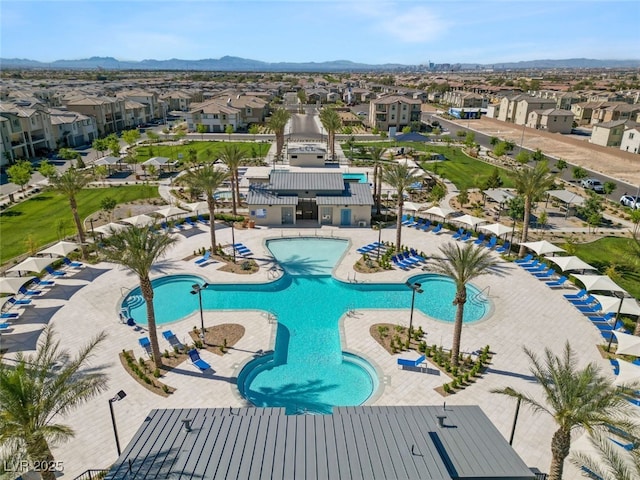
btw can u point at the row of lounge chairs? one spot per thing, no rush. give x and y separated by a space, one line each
372 247
407 259
181 223
172 339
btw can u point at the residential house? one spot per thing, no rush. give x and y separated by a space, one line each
109 112
147 98
30 131
136 114
552 120
325 198
180 100
252 109
215 115
393 111
614 111
509 106
6 152
528 104
631 140
462 99
609 134
493 110
72 129
583 111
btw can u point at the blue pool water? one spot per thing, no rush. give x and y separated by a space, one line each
307 370
360 177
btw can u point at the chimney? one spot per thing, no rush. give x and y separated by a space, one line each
186 423
441 419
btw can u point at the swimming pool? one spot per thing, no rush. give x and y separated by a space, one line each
307 371
360 177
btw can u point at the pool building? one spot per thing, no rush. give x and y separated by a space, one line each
410 442
325 198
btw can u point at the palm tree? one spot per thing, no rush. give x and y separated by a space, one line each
376 155
37 390
277 122
332 122
531 183
232 155
610 461
576 398
70 183
206 179
462 265
399 176
138 248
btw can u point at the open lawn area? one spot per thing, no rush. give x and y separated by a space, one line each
204 151
46 218
614 251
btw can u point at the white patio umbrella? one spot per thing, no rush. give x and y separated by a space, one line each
438 211
567 264
198 207
470 220
13 284
109 228
628 373
543 247
410 206
170 211
497 229
629 305
139 220
61 249
599 282
627 344
32 264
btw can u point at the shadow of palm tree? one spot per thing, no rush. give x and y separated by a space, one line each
299 397
297 265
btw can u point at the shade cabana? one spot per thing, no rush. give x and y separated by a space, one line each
61 249
599 283
410 206
497 229
543 247
629 305
32 264
12 285
629 373
109 228
170 211
139 220
439 211
470 220
570 263
627 344
198 207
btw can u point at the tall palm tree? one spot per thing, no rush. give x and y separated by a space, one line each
399 176
609 461
531 183
277 122
331 122
231 154
376 156
70 183
138 248
37 390
462 265
576 398
206 179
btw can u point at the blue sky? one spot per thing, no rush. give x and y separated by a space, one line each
367 31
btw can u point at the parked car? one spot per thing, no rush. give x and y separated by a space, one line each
630 201
593 184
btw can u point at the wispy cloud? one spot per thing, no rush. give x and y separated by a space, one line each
415 25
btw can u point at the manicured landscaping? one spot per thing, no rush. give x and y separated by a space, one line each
205 151
46 218
614 251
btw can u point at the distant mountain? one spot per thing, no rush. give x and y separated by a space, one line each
237 64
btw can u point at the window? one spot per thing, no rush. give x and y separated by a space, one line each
393 117
215 116
631 136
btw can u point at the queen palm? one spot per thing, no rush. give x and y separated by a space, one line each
577 398
399 176
277 122
531 183
376 156
38 390
206 179
231 155
70 183
462 265
332 122
138 248
609 461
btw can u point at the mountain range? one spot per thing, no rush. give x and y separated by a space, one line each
237 64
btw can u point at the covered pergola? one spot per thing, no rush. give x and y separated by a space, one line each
159 162
108 162
567 198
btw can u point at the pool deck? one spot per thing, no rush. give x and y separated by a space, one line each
525 313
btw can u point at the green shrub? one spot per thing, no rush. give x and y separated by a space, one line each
447 388
156 373
165 389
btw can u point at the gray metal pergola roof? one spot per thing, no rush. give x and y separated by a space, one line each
566 196
288 181
353 194
352 443
498 194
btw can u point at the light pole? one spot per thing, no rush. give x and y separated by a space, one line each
118 396
379 239
619 295
415 288
197 290
233 241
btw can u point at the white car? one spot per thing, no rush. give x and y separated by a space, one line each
593 184
630 201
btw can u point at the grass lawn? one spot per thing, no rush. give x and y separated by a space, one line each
614 251
46 217
462 170
204 150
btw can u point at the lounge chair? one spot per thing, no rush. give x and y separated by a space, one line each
595 308
146 344
365 249
580 294
406 220
405 362
18 301
502 249
531 264
408 258
190 222
425 226
4 326
399 262
557 283
615 365
56 273
602 318
71 264
550 272
170 337
419 223
6 315
203 220
588 300
492 243
244 251
541 267
524 260
438 229
466 237
479 240
458 234
43 283
194 356
29 293
204 259
416 255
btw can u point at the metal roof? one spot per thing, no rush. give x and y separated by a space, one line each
566 196
260 196
352 443
353 194
295 181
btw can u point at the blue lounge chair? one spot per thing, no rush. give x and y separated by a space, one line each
588 300
244 251
400 263
71 264
56 273
415 254
438 229
407 258
405 362
540 267
204 259
502 249
406 220
9 315
595 308
194 356
492 243
203 220
419 223
18 301
557 283
165 227
43 283
530 264
458 234
170 337
466 237
550 272
615 365
190 222
29 293
525 260
146 344
582 293
4 326
479 240
602 318
365 249
426 225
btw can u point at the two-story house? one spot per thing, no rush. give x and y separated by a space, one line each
72 129
29 130
631 140
109 112
552 120
609 134
214 115
528 104
393 111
